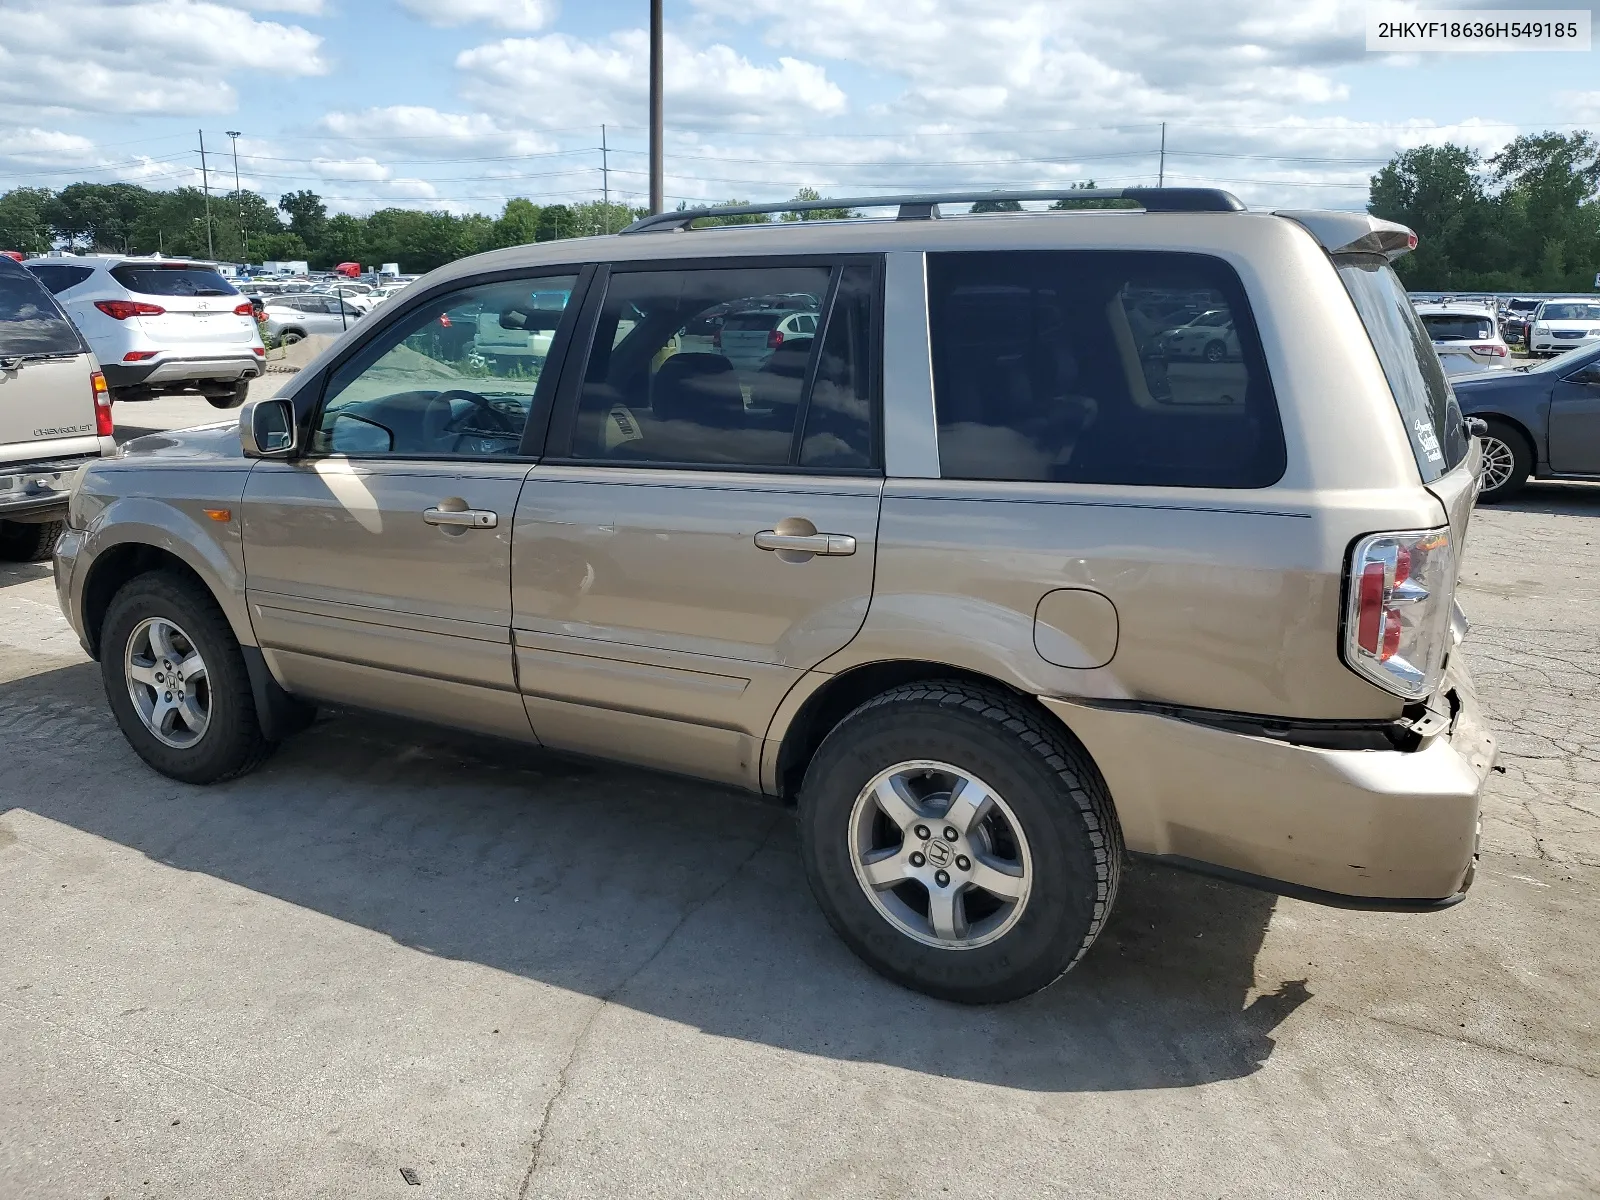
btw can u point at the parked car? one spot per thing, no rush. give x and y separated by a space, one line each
747 338
1562 325
507 339
1465 337
55 413
1210 336
159 325
1543 421
293 317
1515 319
988 594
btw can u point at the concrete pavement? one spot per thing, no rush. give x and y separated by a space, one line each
521 975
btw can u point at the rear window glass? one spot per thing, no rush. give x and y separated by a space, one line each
162 280
59 278
1099 366
756 322
1442 328
1421 392
30 321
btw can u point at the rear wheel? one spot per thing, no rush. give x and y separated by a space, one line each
177 683
957 843
1216 352
233 397
291 336
1507 462
29 542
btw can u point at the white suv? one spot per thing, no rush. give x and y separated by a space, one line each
159 324
1465 336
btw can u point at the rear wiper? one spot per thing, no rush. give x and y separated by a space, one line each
8 361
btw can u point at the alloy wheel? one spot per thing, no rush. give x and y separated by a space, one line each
940 855
168 682
1498 464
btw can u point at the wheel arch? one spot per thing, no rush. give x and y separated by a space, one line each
793 741
1518 425
115 566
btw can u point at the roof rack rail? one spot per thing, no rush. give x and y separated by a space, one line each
925 206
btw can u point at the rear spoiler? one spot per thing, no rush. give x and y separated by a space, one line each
1353 233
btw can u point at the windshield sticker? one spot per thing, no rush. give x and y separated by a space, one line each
1428 440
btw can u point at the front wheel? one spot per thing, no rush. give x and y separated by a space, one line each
177 683
1215 352
958 843
1507 462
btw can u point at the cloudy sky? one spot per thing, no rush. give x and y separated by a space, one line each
462 103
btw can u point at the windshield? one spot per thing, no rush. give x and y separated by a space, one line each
1421 392
30 322
1570 312
1444 327
172 279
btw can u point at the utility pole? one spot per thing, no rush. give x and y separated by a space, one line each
1161 175
658 200
205 182
605 179
238 194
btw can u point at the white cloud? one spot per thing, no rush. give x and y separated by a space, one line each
569 81
147 56
524 16
412 131
304 8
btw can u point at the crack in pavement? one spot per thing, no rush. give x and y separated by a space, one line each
563 1077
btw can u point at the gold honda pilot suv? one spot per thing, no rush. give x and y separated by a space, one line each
1001 545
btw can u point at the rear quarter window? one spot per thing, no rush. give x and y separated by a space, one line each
1100 366
162 280
59 278
1421 392
30 320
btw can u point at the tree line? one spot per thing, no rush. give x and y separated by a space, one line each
1525 219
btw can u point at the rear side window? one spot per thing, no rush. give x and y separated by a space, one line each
1421 392
163 279
59 278
1448 328
1099 366
31 323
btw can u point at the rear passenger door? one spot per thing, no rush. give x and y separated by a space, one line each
702 529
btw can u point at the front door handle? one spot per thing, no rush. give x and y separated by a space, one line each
806 543
462 518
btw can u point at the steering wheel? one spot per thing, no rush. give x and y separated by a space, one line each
484 419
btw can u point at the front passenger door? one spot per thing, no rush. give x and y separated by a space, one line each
378 564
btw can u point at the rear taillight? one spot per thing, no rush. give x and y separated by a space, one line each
774 339
1397 614
244 310
1495 351
121 310
102 405
259 351
138 355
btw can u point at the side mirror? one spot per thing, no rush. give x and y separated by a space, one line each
267 429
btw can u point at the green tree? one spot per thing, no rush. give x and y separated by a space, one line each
278 247
518 223
555 223
308 215
738 219
817 214
1089 185
343 240
1550 183
99 216
599 217
175 223
1438 191
994 206
24 223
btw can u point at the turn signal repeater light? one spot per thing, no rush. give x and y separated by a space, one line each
220 515
103 426
1399 594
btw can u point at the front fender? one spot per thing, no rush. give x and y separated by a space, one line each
213 549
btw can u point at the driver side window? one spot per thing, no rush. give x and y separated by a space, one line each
453 378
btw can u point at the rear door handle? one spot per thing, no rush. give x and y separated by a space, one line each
463 518
806 543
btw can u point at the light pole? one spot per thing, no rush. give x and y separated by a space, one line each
658 200
233 136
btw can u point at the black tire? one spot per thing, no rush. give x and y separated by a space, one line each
1215 352
23 542
1049 783
1516 443
232 398
291 336
232 743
